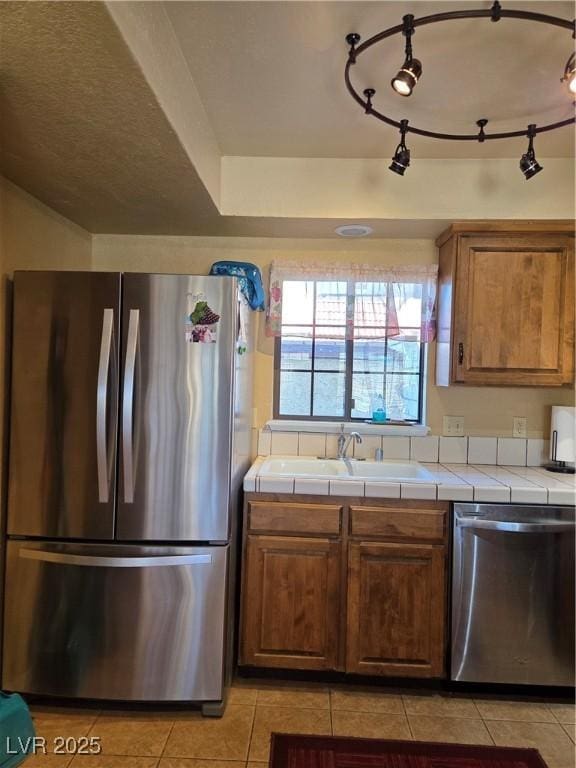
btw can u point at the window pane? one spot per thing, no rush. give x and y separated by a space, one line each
329 394
411 335
295 393
296 351
402 393
298 302
364 388
370 304
331 297
329 355
369 355
403 356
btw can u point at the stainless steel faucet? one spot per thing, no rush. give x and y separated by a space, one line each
344 442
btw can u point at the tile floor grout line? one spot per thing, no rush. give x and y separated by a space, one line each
409 726
172 726
252 729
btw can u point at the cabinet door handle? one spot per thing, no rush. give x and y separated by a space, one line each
460 353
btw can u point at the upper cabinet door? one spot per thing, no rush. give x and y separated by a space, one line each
176 402
513 310
64 404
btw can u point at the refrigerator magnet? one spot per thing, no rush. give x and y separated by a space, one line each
201 324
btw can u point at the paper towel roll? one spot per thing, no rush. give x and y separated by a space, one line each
564 423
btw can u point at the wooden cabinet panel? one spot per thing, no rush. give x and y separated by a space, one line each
506 306
291 602
421 524
294 518
396 609
514 302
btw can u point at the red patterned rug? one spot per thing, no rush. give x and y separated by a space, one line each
294 751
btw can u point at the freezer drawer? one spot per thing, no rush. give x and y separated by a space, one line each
114 621
513 594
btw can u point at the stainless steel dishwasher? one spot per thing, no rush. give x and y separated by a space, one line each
513 594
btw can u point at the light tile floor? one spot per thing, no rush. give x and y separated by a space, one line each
241 739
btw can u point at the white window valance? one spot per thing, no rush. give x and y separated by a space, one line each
376 301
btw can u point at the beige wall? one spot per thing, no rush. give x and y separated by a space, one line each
486 411
33 236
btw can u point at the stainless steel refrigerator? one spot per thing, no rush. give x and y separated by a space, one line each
129 436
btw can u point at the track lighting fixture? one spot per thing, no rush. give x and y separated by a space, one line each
401 159
528 163
411 70
570 74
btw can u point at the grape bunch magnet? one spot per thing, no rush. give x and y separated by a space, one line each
201 324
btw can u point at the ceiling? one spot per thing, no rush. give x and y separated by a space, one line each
270 76
88 128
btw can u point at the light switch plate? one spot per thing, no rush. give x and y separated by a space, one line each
453 426
519 426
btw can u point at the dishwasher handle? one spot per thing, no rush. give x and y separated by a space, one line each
507 526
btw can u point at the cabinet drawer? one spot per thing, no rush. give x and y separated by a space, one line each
424 524
294 518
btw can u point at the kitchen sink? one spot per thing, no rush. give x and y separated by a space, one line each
297 466
346 469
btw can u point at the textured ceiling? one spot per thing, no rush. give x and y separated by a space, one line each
82 131
270 75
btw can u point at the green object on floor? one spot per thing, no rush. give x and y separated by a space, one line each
16 730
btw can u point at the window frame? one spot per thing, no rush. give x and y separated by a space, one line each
349 349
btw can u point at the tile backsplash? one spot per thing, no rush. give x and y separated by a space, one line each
507 451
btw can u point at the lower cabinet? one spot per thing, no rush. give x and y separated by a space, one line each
396 609
360 589
291 602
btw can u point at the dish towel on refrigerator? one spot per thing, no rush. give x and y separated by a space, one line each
250 280
16 730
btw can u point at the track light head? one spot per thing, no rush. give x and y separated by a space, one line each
410 72
570 74
401 159
528 163
407 77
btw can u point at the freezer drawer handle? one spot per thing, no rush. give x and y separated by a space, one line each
128 406
101 403
510 527
114 562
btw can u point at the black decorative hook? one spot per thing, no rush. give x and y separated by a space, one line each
353 38
369 93
481 124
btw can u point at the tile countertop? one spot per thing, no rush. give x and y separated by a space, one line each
452 482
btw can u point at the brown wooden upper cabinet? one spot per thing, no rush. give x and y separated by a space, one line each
506 304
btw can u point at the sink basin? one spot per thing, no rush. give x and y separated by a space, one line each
393 471
298 466
346 469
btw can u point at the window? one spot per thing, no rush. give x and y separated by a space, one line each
341 343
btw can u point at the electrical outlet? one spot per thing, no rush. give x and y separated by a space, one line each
519 426
453 426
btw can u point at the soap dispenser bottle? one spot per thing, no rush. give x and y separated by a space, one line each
378 410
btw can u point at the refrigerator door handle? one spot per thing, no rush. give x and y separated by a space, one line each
128 406
513 527
101 405
114 562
